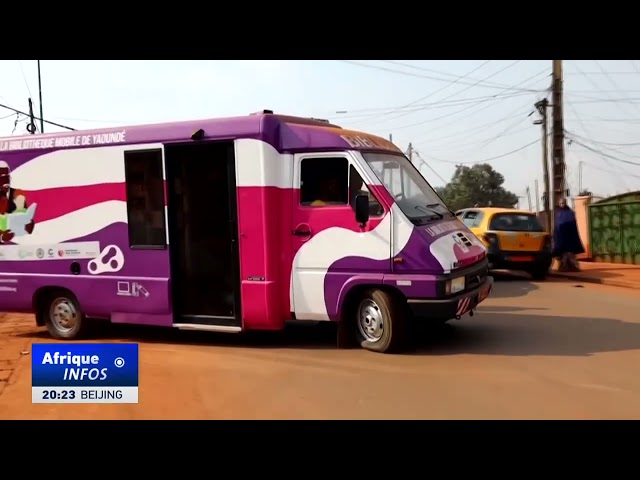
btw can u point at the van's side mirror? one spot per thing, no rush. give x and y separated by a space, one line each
362 209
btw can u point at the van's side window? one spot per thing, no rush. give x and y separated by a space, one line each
357 187
324 181
145 199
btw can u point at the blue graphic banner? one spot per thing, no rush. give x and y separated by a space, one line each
84 365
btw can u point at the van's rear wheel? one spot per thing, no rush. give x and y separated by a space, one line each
62 315
380 322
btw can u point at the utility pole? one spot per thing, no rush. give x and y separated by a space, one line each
558 165
391 138
410 152
580 177
537 197
40 99
542 106
31 126
529 197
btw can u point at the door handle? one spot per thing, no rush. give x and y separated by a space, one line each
302 232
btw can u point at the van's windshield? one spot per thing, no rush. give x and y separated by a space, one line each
412 193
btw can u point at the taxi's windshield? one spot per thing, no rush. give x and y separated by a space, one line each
515 222
412 193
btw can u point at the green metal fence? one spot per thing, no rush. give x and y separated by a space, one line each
614 231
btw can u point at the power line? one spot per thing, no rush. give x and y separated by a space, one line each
400 72
599 152
613 172
602 73
611 80
24 77
424 162
476 83
466 108
440 89
587 132
36 118
486 160
633 144
376 112
507 132
424 69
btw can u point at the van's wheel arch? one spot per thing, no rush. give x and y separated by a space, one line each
380 321
60 311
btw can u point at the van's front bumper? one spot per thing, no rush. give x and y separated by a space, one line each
451 307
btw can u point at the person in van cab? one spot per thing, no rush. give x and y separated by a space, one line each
329 193
357 187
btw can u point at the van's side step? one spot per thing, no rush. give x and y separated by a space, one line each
207 328
210 323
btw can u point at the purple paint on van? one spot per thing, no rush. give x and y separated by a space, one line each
284 133
138 263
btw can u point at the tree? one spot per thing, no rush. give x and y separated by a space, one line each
478 185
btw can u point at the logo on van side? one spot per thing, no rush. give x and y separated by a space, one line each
443 228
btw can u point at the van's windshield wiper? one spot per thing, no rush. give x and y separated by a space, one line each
433 205
429 209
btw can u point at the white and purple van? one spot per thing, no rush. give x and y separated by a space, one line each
228 225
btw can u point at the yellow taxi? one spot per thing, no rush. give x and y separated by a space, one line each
515 239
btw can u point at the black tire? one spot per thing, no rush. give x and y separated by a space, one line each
387 332
539 273
58 308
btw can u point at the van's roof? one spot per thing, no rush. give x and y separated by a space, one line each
285 133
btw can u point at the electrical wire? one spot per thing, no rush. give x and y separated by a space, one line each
601 73
633 144
24 77
424 69
617 173
425 163
454 94
36 118
438 90
587 133
375 112
466 108
487 160
599 152
429 77
610 78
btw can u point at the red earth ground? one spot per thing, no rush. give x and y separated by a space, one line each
555 349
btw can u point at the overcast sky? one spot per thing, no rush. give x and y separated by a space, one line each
451 111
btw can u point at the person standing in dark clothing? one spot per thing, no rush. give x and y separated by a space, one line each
566 239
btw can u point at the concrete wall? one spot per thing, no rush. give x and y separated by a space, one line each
581 208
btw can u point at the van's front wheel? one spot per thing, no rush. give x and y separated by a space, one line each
380 322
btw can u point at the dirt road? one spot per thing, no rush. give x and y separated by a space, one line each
534 350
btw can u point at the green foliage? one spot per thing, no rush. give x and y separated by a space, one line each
477 185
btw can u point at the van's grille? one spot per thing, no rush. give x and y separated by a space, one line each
476 277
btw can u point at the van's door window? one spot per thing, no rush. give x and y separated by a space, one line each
331 181
324 181
145 199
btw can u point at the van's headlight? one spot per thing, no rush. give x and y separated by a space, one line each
455 285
